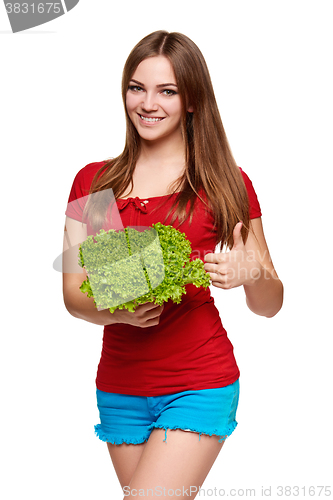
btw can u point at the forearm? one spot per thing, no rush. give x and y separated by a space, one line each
82 307
265 296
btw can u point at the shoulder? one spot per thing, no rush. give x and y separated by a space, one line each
254 206
87 173
80 189
83 179
246 178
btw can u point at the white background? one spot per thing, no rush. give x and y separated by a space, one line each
61 109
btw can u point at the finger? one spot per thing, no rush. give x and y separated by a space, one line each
237 235
210 268
215 258
225 285
220 268
219 277
146 305
151 305
154 313
210 257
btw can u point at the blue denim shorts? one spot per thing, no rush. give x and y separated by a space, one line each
131 419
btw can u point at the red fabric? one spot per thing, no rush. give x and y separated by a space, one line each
255 210
189 349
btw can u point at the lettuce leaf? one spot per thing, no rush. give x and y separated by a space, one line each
130 267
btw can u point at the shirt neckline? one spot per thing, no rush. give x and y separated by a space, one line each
148 198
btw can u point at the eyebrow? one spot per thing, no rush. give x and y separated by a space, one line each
158 86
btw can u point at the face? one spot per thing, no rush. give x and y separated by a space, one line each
152 100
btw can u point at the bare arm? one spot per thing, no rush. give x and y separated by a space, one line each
249 265
265 295
76 302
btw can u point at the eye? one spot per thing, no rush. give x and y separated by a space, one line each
169 92
135 88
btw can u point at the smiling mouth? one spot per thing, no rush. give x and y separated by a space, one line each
150 119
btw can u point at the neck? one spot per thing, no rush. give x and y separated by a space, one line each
162 152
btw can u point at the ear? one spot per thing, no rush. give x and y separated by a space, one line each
190 109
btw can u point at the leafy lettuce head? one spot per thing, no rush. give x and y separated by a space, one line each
130 267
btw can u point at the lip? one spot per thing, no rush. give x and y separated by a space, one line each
150 124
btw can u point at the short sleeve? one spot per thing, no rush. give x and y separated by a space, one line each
254 206
79 192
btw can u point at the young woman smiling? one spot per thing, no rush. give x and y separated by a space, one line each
171 367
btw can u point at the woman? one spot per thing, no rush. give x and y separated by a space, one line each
171 367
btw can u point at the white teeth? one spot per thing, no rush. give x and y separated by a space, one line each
150 119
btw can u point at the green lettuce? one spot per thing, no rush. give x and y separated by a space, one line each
130 267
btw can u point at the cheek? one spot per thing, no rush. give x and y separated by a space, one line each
175 109
131 102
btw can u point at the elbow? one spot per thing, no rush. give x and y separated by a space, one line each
268 309
272 314
279 305
69 307
72 296
267 312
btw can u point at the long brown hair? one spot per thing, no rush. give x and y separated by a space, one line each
209 163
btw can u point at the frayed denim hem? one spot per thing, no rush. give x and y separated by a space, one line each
215 432
117 440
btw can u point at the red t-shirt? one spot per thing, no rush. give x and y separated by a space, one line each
189 349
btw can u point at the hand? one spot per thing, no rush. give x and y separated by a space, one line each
145 315
234 268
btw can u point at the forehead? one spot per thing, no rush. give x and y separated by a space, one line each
154 71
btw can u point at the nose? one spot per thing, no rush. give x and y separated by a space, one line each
149 103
